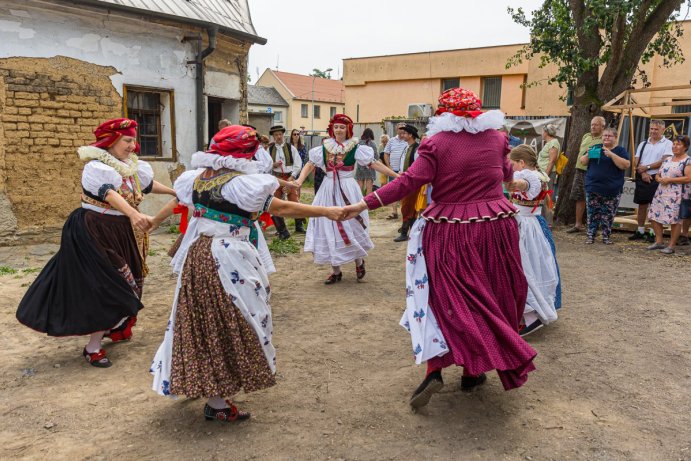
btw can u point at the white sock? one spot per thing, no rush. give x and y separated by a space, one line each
530 317
217 403
94 344
336 269
641 230
358 262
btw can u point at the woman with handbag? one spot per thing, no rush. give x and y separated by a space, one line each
672 201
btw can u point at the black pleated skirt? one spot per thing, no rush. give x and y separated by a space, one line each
92 283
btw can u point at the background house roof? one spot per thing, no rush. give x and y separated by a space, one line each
325 90
230 15
265 96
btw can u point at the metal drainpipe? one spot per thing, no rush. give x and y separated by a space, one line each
199 76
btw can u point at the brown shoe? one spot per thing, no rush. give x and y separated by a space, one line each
574 229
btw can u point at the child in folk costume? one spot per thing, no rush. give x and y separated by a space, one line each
528 189
465 288
338 243
93 285
218 339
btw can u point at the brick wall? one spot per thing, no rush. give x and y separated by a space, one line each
48 108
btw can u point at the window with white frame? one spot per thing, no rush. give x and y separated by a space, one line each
278 117
317 111
303 110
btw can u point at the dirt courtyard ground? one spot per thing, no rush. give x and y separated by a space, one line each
612 381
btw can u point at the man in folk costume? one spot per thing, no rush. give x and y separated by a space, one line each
286 166
408 212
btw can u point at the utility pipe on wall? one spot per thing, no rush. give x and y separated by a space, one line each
199 76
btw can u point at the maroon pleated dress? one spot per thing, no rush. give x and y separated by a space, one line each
477 286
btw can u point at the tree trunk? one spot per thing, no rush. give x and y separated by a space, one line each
579 124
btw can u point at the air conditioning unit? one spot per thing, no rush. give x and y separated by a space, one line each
419 110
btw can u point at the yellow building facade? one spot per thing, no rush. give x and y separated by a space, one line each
380 87
311 100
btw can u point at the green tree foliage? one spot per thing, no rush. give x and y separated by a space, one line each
321 73
595 47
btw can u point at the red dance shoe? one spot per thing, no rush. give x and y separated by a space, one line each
97 359
225 414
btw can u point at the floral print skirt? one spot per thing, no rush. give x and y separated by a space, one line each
215 350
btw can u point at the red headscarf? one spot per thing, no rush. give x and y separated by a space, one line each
235 140
108 133
342 119
458 101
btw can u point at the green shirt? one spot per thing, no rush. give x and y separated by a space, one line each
586 143
543 156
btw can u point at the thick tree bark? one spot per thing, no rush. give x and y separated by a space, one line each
578 126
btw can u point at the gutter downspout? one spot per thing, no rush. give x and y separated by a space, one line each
199 76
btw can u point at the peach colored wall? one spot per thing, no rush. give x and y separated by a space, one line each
378 100
385 85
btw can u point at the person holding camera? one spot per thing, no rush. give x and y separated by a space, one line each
604 181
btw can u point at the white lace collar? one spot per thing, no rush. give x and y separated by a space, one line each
215 161
335 148
490 120
125 169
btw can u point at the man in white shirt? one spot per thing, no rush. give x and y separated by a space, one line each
286 164
393 153
649 157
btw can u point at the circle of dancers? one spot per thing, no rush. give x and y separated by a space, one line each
481 269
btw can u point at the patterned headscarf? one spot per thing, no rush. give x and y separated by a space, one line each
458 101
344 120
235 140
108 133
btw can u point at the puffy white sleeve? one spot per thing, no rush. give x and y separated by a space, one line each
533 180
185 184
146 176
251 192
316 156
98 178
264 159
364 155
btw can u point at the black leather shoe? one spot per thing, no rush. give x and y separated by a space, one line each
333 278
401 238
469 383
283 235
432 384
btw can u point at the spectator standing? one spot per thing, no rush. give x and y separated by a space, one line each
650 155
393 153
597 125
546 159
364 175
664 209
604 181
296 141
383 141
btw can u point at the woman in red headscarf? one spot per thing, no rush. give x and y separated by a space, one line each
338 243
465 287
93 285
218 340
